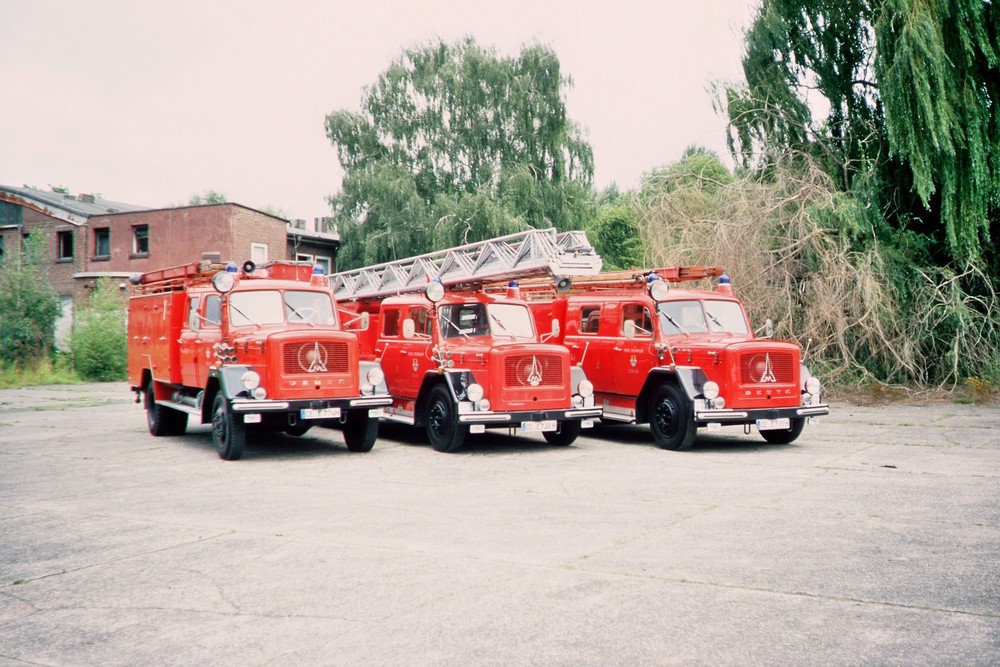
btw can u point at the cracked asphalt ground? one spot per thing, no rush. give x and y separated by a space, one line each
874 539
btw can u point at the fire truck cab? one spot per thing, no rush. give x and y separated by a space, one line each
458 360
680 359
251 348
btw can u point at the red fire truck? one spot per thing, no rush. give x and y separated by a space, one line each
249 348
679 359
457 360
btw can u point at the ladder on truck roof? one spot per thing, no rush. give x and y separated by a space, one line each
536 252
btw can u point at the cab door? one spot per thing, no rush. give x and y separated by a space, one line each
209 335
631 354
188 344
415 344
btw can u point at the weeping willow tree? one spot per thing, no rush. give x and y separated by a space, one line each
455 144
898 99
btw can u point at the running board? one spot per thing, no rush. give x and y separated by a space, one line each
180 407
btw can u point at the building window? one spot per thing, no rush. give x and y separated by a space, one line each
324 262
258 253
64 243
102 242
140 240
10 214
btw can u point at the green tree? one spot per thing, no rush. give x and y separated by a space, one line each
99 341
455 144
28 306
913 126
206 198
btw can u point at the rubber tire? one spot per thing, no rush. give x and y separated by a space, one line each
669 419
360 431
443 429
785 436
228 432
301 428
568 433
160 419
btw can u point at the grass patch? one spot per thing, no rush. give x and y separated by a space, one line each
44 371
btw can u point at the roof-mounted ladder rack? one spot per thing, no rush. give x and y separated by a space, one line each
536 252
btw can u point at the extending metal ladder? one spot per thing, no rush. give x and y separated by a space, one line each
531 253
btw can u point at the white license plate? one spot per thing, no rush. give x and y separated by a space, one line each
773 424
539 427
251 419
325 413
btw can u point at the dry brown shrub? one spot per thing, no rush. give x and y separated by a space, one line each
785 262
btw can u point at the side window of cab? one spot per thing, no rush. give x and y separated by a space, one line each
213 311
638 315
421 322
193 321
390 323
590 319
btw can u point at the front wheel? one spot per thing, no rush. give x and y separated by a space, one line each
566 435
443 429
228 430
360 431
670 420
785 436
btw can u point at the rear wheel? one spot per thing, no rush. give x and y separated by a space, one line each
360 431
443 429
670 420
160 419
566 435
228 430
785 436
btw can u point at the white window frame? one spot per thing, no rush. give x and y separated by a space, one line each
258 253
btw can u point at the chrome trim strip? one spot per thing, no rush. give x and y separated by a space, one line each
259 406
371 402
714 415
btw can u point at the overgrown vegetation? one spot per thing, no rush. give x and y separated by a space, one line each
99 342
798 252
28 307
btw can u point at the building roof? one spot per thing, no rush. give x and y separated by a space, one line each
70 208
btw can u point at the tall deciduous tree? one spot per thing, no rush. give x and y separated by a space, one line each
912 89
455 144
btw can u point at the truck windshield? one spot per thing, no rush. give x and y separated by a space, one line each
510 320
464 319
261 307
686 317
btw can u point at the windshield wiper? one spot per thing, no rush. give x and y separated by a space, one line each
716 320
301 317
245 316
674 322
502 327
453 326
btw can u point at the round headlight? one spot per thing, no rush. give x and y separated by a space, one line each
475 392
585 388
659 290
711 390
484 405
251 380
259 393
376 376
813 386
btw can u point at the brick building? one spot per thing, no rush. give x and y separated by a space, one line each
88 237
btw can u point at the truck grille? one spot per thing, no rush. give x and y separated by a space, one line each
533 370
767 368
314 357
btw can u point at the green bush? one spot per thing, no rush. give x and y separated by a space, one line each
99 341
28 307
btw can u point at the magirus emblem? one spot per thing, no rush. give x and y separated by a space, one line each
533 375
312 359
765 369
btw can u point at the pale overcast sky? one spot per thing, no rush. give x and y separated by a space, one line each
149 102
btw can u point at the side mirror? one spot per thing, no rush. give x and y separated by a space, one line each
555 327
768 328
365 321
409 329
629 329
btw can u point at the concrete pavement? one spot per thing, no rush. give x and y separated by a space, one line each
874 539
